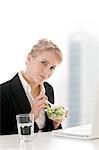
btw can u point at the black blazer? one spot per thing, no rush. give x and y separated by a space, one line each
13 101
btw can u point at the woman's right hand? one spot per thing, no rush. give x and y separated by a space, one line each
39 104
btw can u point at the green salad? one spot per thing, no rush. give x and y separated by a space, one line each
55 112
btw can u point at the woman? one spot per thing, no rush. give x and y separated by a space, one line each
27 91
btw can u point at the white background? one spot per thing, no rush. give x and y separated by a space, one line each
22 22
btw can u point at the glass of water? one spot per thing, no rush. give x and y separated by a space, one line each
25 125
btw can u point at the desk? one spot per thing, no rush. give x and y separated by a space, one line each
47 141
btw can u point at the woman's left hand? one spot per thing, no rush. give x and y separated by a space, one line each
57 122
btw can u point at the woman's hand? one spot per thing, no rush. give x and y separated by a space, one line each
57 122
39 104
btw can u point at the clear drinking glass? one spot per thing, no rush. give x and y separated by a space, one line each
25 125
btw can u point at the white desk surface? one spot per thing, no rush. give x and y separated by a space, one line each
47 141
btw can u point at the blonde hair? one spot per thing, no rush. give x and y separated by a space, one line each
46 45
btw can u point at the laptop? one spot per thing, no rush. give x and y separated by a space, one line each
87 131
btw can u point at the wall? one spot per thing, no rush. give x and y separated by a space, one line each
22 22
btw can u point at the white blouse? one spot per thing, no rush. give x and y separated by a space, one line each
41 120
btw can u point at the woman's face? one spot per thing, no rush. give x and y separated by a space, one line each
40 68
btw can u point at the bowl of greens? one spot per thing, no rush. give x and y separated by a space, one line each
56 112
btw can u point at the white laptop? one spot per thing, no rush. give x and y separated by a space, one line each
88 131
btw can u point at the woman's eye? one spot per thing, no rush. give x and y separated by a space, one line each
52 68
44 63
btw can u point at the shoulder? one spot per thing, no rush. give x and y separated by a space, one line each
48 88
49 91
6 85
47 85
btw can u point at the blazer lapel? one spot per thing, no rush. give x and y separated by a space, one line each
20 95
